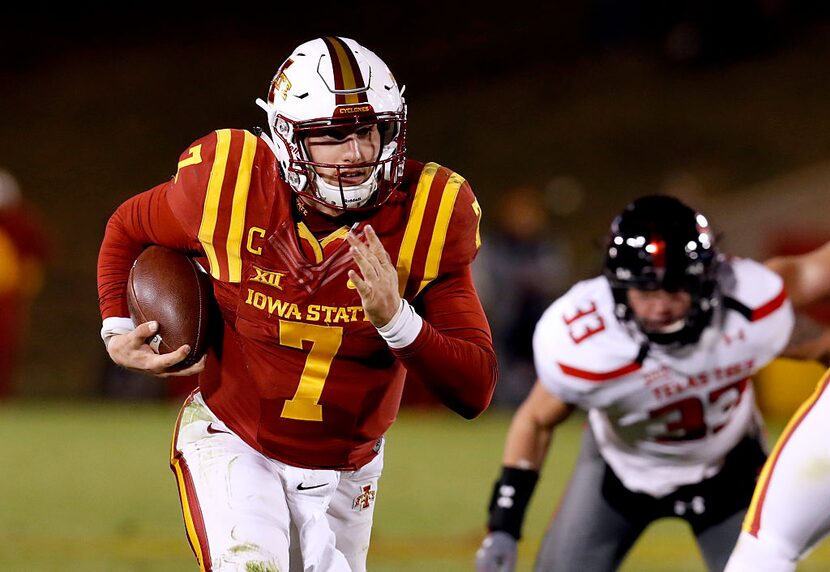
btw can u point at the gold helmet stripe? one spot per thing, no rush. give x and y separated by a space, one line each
349 83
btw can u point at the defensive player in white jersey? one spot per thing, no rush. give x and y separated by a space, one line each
790 511
659 350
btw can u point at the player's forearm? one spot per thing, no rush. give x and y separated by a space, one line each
452 352
532 427
806 277
461 373
524 452
793 277
118 250
527 443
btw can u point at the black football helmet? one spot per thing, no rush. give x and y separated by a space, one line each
659 243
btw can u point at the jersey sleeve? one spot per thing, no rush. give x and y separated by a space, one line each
200 211
579 349
217 178
442 233
463 235
142 220
165 215
453 354
758 295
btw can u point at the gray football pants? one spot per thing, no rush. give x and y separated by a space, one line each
588 534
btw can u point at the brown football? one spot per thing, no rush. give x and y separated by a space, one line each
172 289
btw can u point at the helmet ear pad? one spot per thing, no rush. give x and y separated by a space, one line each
658 242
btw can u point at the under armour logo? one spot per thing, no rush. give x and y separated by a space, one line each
506 494
697 506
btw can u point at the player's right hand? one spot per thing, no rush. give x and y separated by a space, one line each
131 351
497 553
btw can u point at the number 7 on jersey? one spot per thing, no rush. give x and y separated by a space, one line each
325 341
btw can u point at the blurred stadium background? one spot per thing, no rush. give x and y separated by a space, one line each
587 104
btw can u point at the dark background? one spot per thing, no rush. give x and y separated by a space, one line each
591 102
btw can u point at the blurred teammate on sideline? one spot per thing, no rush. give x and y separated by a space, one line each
23 253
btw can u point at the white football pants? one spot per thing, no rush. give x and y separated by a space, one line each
790 511
245 511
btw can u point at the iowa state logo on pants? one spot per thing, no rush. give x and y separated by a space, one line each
364 499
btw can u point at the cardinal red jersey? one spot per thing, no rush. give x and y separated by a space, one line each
301 374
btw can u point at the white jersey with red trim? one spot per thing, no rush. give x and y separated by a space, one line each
665 416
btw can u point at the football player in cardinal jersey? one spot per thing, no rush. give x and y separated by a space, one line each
659 350
790 511
340 267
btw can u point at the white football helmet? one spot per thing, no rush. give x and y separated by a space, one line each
330 82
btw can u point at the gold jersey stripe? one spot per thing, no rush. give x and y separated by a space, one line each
339 233
439 232
752 521
308 236
477 210
214 193
413 226
240 203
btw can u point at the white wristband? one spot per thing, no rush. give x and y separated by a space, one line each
115 326
403 328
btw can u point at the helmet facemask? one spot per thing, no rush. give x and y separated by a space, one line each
305 177
686 330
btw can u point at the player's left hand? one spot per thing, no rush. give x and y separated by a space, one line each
377 282
497 553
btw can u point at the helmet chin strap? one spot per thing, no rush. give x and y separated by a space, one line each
354 196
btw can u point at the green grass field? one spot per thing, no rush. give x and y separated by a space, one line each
86 487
